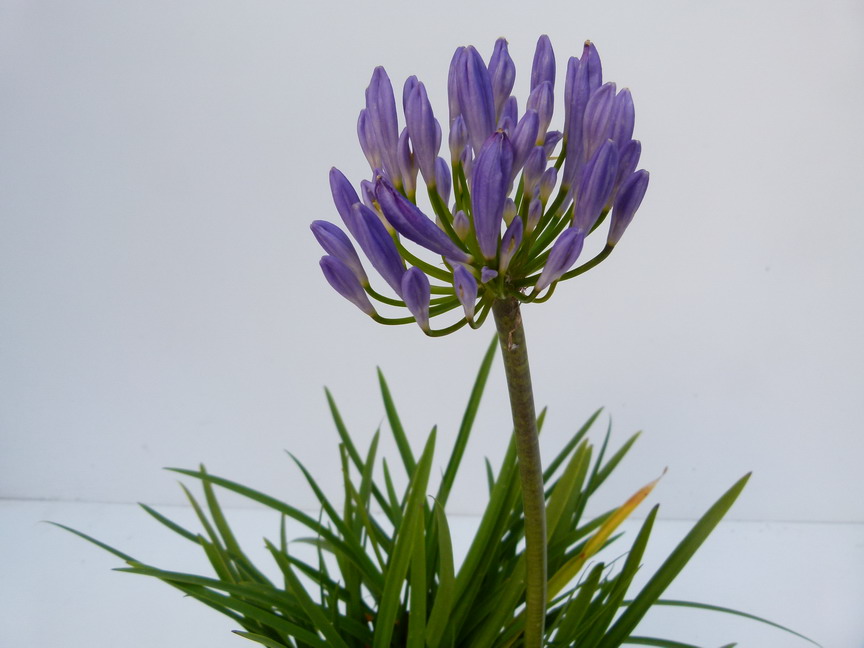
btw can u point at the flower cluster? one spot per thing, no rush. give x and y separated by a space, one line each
488 245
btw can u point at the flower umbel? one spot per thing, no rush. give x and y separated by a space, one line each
509 214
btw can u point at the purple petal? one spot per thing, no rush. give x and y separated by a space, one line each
542 99
597 122
378 246
465 286
547 183
461 224
543 67
628 160
502 73
561 257
410 83
337 244
576 93
416 293
381 116
413 224
344 197
368 143
551 141
623 119
535 165
628 201
535 212
442 179
595 187
476 102
523 140
487 274
458 138
490 181
407 164
510 243
456 65
422 130
345 282
509 115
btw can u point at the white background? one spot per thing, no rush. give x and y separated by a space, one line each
161 305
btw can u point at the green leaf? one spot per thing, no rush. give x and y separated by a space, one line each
351 550
660 643
439 618
574 611
125 557
170 523
725 610
568 448
264 641
406 536
673 565
396 426
313 611
467 423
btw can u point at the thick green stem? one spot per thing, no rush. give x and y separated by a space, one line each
511 336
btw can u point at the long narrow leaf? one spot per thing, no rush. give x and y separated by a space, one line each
672 566
396 426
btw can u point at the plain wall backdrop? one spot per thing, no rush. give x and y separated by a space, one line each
161 304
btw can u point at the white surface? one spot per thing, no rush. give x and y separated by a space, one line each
160 302
55 590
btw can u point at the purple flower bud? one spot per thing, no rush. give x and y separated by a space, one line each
509 211
345 282
509 115
510 243
597 122
562 256
547 183
458 138
595 187
543 68
378 246
381 116
416 293
502 73
628 160
487 274
456 65
535 211
344 197
465 286
476 102
523 139
410 83
628 201
442 179
535 165
337 244
368 143
623 119
467 162
551 141
407 164
576 93
542 99
414 224
367 192
591 60
422 129
461 224
490 181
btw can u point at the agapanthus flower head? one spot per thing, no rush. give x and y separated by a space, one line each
509 214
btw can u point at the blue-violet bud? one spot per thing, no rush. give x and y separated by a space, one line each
542 99
562 256
458 138
461 224
378 246
465 286
543 67
502 73
475 97
510 243
416 293
422 130
345 282
413 224
628 201
337 244
596 186
490 181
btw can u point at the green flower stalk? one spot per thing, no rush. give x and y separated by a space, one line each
503 240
